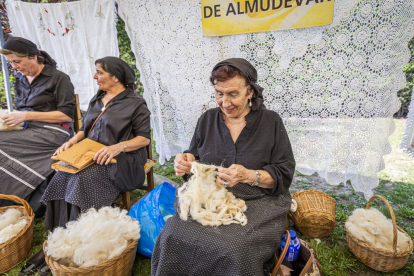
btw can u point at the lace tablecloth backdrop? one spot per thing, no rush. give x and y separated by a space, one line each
407 143
75 34
335 86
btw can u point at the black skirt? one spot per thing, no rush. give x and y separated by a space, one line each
25 156
188 248
59 212
90 188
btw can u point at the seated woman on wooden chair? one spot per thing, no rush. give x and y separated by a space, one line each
118 118
44 102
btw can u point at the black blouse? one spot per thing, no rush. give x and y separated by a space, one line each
51 90
263 144
126 118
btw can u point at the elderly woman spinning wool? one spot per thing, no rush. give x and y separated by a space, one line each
252 148
45 103
117 118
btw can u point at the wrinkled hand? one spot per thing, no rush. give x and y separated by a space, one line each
105 155
182 163
64 147
232 175
14 118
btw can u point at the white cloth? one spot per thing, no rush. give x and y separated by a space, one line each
407 143
74 34
335 86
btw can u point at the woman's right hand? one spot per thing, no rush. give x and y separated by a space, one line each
64 147
182 163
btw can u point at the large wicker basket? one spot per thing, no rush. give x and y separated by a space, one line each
119 266
13 251
315 215
379 259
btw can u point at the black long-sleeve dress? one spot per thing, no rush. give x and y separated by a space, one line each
98 185
187 247
25 163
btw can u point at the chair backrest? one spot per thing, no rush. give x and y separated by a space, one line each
77 120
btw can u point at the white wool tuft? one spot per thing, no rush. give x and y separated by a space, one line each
293 206
374 228
95 237
207 201
12 230
4 127
12 222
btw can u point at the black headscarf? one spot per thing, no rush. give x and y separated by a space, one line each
26 47
120 69
251 74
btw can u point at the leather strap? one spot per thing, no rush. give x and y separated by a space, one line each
282 255
106 107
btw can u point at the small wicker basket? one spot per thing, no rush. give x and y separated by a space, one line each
379 259
13 251
315 215
119 266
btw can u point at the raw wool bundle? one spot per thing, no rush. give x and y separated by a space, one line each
4 127
207 201
95 237
373 227
12 222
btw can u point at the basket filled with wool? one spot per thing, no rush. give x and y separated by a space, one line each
100 242
16 232
315 213
376 240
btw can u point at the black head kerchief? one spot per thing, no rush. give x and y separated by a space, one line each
120 69
250 72
26 47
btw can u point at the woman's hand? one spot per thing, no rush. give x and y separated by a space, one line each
14 118
106 154
64 147
182 163
233 175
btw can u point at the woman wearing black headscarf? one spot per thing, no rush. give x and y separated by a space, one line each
124 127
45 102
251 145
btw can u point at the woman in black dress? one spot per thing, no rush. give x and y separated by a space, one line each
45 102
124 127
251 145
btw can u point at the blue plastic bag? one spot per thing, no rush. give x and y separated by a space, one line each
150 211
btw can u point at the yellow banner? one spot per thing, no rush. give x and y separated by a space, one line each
226 17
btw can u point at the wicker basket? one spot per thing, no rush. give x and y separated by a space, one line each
315 216
13 251
119 266
379 259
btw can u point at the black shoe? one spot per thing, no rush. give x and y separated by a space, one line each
31 266
45 270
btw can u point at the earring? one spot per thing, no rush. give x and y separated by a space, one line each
250 102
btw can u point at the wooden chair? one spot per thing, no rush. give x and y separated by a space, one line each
126 198
77 120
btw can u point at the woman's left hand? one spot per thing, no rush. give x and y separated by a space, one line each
14 118
106 154
232 175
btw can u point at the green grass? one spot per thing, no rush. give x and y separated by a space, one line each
396 185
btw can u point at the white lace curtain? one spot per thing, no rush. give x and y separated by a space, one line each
334 86
407 143
75 34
